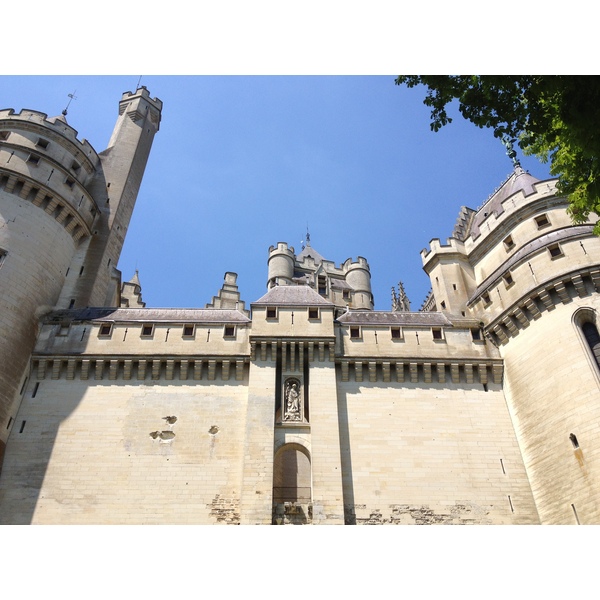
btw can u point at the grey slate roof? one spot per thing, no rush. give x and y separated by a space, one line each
519 180
151 315
292 295
310 251
135 279
371 317
340 283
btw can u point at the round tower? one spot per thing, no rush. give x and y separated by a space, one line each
45 211
57 224
358 276
280 265
538 295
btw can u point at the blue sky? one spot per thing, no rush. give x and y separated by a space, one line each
242 162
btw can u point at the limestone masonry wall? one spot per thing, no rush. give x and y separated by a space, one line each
441 453
126 452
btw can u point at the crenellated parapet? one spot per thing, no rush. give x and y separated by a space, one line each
359 263
42 161
138 106
281 264
27 124
453 248
451 274
345 285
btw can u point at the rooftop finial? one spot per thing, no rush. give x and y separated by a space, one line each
306 241
400 302
71 97
511 152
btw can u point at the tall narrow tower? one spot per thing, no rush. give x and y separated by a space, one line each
64 213
115 187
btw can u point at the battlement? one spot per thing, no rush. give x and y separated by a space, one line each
45 163
329 266
282 247
33 120
143 93
359 263
451 247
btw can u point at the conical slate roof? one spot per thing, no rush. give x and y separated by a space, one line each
519 180
135 279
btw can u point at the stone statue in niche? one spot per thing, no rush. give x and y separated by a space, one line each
292 401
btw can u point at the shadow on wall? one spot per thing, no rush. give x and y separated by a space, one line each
110 452
28 452
346 460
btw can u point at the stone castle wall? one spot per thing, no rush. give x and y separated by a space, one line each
440 453
126 452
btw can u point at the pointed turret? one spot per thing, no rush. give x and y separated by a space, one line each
400 301
131 293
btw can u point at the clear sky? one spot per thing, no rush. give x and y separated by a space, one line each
241 163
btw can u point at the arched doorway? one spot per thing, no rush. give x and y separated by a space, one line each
292 485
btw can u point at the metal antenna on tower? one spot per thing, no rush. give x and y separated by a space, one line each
71 97
138 83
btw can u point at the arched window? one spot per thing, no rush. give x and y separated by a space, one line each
585 321
592 337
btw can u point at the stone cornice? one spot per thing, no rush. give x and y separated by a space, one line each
415 370
545 297
524 253
139 368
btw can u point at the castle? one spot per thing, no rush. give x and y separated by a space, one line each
308 406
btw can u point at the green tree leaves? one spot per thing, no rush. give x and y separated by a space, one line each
556 118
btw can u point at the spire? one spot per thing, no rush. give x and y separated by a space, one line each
135 280
131 293
400 301
306 241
